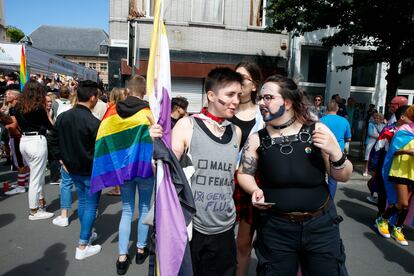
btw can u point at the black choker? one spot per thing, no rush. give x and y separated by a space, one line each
285 125
246 102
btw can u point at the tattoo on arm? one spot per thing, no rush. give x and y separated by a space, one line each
246 146
249 164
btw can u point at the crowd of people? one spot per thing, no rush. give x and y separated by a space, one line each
284 201
390 163
391 171
262 156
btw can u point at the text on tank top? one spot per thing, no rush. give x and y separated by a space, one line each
212 184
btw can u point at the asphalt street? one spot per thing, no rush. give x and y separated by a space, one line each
40 248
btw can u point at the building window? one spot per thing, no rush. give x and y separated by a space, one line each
104 67
363 75
145 8
103 49
207 11
258 13
92 65
82 63
407 74
313 64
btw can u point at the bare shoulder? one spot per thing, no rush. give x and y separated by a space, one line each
184 124
181 135
238 133
252 143
254 138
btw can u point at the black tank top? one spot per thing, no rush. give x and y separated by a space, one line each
245 127
292 171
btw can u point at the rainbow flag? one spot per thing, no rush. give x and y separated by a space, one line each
171 217
24 76
123 149
398 167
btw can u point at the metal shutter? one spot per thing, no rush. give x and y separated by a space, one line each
190 88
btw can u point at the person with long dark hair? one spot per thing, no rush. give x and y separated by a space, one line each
31 115
297 221
249 120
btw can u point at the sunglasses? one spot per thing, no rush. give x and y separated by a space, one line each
317 100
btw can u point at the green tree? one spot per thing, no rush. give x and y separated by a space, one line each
387 27
14 33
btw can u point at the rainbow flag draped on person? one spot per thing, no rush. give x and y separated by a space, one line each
398 168
174 205
123 149
24 76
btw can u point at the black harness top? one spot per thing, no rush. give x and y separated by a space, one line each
292 171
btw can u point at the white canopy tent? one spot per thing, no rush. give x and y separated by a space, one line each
40 62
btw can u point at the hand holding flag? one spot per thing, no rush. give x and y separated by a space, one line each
155 130
174 205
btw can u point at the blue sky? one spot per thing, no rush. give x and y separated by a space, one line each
28 15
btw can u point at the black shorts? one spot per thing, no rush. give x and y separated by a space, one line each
401 180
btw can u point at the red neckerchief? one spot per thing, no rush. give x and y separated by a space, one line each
211 116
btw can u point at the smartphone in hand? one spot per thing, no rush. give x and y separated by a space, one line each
264 203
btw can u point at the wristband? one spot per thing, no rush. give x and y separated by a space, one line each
340 162
339 167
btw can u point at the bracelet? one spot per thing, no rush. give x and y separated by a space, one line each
340 164
339 167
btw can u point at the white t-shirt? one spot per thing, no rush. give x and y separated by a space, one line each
63 105
99 110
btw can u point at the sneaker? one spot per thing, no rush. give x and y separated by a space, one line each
89 251
372 199
398 236
382 227
40 215
60 221
17 190
93 237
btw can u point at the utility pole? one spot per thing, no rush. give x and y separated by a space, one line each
133 36
133 45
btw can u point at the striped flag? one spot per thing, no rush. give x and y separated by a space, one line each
123 149
171 248
24 77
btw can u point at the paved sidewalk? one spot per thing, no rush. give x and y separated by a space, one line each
40 248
